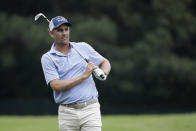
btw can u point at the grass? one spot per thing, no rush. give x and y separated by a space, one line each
171 122
174 122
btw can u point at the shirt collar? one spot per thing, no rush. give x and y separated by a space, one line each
54 51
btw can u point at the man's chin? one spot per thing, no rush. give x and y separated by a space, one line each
65 42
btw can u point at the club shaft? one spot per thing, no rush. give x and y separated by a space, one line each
48 20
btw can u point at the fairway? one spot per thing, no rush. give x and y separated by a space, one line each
170 122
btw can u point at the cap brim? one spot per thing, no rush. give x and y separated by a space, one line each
68 24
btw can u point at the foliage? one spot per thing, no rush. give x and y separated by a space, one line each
150 44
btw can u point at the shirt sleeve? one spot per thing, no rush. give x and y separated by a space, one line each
93 55
49 69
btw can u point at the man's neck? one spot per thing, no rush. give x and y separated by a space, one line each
63 48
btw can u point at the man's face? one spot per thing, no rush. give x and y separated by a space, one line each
61 34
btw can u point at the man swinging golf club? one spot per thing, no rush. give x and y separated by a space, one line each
68 68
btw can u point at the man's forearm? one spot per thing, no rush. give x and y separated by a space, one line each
105 66
62 85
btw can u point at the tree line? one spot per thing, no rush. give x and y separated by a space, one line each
150 44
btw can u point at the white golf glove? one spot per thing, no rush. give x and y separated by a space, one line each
99 74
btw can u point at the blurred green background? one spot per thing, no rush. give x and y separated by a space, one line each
150 44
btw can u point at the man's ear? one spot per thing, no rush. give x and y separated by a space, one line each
50 33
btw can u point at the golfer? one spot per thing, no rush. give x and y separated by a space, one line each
70 78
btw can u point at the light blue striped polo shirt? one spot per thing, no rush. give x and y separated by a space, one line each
56 65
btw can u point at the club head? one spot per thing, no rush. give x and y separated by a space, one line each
38 15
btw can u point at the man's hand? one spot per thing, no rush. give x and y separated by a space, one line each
99 74
89 69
